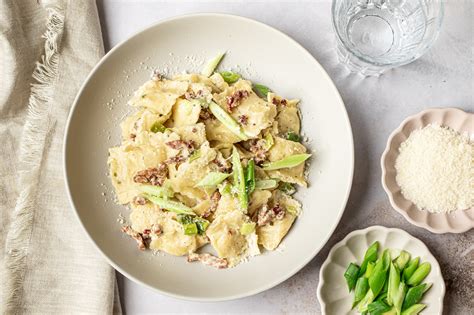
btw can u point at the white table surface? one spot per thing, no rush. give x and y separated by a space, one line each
376 106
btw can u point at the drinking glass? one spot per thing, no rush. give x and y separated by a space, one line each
376 35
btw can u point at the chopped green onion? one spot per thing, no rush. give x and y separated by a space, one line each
370 256
420 273
287 188
157 191
195 155
250 177
402 260
361 288
289 161
393 283
379 275
414 309
239 179
247 228
227 120
399 296
410 269
269 142
351 275
261 90
190 229
415 294
292 136
212 179
170 205
212 65
202 225
230 77
185 218
293 210
364 303
266 184
377 308
157 127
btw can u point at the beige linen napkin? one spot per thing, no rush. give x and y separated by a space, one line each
48 266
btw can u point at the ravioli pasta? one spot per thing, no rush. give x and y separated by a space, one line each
208 161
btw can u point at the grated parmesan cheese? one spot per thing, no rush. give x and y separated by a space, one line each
435 169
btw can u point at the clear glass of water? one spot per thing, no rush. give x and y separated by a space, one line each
376 35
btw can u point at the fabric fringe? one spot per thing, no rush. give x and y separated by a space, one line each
35 132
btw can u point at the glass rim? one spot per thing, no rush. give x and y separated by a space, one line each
395 64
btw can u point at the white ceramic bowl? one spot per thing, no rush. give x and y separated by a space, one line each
454 222
263 55
333 294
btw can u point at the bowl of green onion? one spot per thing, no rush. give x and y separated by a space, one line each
380 271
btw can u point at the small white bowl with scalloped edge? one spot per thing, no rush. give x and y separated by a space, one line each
333 294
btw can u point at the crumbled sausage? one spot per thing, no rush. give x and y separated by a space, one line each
282 102
191 95
153 176
204 114
258 150
135 235
208 259
223 165
133 136
175 159
235 99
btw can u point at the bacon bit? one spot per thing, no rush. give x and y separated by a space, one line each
223 165
259 152
208 259
282 102
205 114
176 159
243 119
266 215
135 235
191 95
215 197
153 176
181 144
139 200
156 75
235 99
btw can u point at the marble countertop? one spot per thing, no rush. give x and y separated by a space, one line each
441 78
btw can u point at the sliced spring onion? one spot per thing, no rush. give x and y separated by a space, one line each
290 135
190 228
287 188
393 283
227 120
399 296
410 269
170 205
230 77
361 288
420 273
269 142
414 309
293 210
239 179
364 303
289 161
402 260
157 191
351 275
250 177
195 155
370 256
247 228
379 275
266 184
414 295
261 90
157 127
212 65
212 179
202 225
378 307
